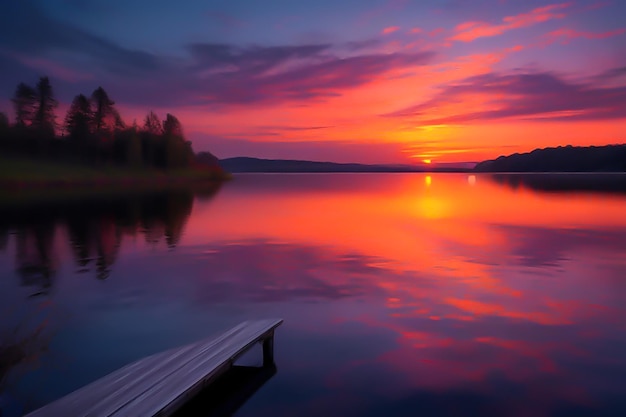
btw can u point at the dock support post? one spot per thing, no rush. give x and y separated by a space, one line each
268 350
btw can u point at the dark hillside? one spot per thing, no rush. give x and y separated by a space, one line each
609 158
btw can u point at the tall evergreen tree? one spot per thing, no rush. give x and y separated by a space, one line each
178 152
25 104
152 124
105 115
44 118
152 141
172 126
79 118
4 121
4 132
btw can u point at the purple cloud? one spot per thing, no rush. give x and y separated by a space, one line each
612 73
363 44
254 58
546 247
227 74
26 29
211 74
542 95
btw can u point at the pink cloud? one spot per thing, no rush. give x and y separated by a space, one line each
598 5
436 32
565 35
278 73
466 25
390 30
470 31
416 30
532 95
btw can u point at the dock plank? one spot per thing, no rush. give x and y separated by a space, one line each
141 381
158 384
124 380
112 404
189 379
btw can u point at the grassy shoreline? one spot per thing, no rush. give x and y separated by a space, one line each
19 173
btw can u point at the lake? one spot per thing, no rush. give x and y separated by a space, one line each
402 294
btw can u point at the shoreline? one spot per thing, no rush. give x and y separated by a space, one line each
32 174
105 182
34 193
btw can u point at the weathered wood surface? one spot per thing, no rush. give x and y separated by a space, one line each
161 383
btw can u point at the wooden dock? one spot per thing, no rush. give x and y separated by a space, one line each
160 384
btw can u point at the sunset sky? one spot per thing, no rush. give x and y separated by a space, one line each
374 81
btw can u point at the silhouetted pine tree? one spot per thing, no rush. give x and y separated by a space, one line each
25 104
105 115
95 129
5 140
4 122
79 119
172 126
152 141
152 124
44 118
177 150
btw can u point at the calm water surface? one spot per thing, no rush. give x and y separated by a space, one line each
402 294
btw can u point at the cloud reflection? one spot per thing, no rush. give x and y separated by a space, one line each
451 298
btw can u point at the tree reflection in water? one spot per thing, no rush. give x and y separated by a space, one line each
95 226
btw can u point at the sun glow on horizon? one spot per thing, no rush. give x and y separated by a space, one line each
394 90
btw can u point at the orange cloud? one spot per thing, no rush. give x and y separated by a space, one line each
469 31
390 30
352 116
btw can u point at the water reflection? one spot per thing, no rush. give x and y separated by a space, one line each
94 228
401 295
228 393
560 183
35 263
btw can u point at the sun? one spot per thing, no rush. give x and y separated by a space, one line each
426 161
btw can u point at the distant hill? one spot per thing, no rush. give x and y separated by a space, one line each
609 158
246 164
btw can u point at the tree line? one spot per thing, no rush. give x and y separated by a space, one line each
92 131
